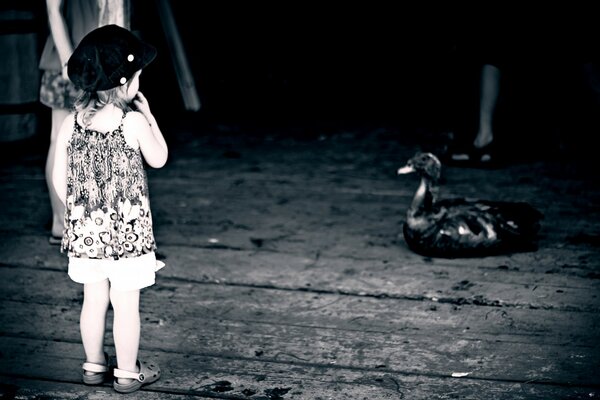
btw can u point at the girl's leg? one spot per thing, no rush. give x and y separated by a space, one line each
126 329
58 210
93 320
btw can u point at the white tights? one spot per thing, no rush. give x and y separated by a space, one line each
126 324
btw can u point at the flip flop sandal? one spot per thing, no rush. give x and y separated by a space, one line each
474 157
99 372
149 372
483 154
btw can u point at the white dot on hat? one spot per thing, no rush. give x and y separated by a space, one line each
123 80
130 58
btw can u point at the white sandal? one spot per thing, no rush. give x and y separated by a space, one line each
149 372
99 372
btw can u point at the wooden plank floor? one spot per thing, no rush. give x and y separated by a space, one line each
287 278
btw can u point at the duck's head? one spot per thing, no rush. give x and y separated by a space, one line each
426 165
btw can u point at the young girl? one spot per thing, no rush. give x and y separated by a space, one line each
99 176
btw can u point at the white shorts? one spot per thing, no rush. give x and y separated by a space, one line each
124 274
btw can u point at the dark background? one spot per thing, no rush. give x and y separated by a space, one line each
300 63
280 66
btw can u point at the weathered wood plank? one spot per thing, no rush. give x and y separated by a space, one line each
477 281
547 264
261 201
12 387
406 352
205 376
186 317
323 310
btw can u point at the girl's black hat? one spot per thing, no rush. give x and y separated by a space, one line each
108 57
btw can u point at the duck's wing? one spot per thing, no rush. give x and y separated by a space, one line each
457 231
462 228
503 224
519 220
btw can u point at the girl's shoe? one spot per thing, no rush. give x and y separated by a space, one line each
55 240
149 372
98 372
484 155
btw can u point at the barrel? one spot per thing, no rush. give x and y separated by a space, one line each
19 72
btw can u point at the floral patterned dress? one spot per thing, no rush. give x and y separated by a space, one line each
108 211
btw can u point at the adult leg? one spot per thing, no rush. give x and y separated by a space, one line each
489 91
93 320
126 329
58 210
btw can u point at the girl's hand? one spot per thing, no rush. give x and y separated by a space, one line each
141 104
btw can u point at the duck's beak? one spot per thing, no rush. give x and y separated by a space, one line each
407 169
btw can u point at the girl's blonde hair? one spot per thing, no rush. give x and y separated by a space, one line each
89 103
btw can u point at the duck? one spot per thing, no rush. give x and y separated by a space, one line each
461 227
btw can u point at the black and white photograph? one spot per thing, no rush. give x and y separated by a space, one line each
299 200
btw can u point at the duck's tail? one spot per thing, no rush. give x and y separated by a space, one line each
517 220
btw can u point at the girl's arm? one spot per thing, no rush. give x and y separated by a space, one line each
58 29
149 136
59 170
